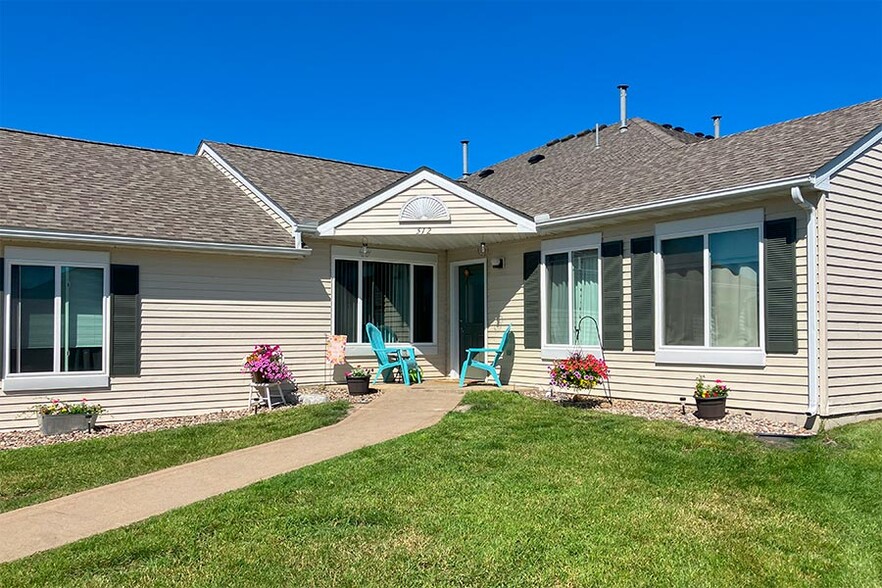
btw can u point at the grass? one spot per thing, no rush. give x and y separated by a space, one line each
37 474
518 492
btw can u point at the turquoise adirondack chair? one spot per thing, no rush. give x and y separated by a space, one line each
391 357
470 360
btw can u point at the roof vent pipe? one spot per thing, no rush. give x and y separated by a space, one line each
623 107
465 157
597 135
716 118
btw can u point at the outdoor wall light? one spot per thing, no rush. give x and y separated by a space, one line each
483 248
364 248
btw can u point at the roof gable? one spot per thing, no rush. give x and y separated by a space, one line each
456 209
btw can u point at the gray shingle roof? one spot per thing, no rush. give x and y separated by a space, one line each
649 163
60 184
308 188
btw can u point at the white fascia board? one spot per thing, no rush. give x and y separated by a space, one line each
524 223
691 199
270 203
821 178
148 243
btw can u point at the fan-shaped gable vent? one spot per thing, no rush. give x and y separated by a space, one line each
422 209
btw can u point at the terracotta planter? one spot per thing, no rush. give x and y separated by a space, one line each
710 409
358 385
59 424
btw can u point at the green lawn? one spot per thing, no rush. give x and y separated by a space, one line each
37 474
517 492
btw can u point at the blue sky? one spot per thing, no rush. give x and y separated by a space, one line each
399 84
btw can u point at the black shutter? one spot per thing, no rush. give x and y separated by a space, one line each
642 294
125 320
780 241
612 296
532 301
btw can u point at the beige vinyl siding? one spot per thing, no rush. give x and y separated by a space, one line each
201 314
465 217
781 386
854 286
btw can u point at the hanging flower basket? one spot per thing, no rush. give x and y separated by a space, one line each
578 372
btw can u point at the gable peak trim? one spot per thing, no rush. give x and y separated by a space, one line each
524 223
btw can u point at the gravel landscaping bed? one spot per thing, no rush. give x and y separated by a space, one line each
31 438
732 423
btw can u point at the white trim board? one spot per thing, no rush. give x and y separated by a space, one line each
576 219
150 243
525 224
269 202
821 178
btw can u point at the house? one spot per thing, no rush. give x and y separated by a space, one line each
140 278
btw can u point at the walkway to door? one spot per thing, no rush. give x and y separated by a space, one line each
51 524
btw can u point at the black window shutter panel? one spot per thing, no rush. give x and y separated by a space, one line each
612 296
642 294
125 320
780 237
532 301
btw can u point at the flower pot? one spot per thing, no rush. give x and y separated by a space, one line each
59 424
710 408
358 385
258 378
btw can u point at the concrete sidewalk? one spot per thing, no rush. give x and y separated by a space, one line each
44 526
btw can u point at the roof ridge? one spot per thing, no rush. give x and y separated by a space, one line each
93 142
319 158
799 118
657 131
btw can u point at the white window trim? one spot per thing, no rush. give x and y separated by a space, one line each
55 379
705 354
362 349
568 245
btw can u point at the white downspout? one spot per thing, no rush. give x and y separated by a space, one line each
812 255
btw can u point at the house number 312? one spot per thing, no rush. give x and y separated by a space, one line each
424 230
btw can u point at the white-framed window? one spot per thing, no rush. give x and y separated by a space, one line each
394 290
56 319
571 295
709 290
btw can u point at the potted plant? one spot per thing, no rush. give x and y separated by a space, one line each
57 417
358 380
710 400
266 364
578 372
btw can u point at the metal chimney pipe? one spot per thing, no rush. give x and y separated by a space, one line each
623 107
716 118
597 135
465 157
